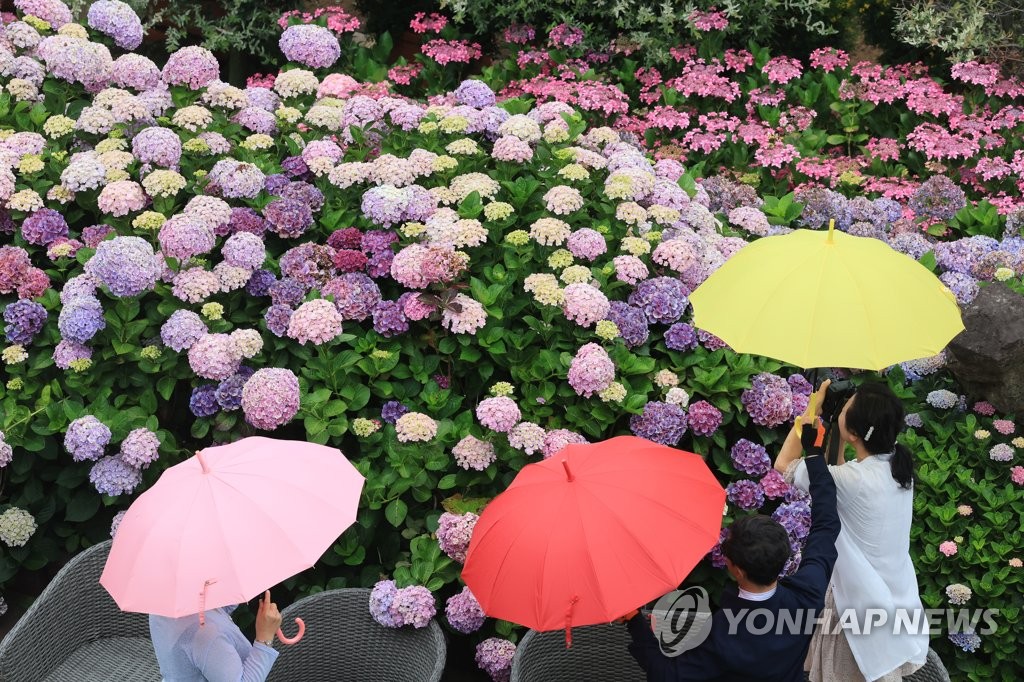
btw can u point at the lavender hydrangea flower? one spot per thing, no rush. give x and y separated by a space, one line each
310 45
81 319
117 20
413 605
158 146
464 613
474 93
822 205
750 458
214 356
454 531
355 295
660 422
663 299
24 320
938 198
591 370
745 494
182 329
85 438
140 448
192 67
556 439
381 597
494 656
111 476
127 266
68 351
471 453
498 414
288 292
203 402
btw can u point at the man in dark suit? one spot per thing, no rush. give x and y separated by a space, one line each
756 551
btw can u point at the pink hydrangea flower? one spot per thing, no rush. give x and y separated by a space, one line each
948 548
270 398
498 414
591 371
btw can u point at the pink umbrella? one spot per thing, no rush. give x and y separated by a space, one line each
223 526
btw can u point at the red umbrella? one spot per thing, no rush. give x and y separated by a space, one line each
592 533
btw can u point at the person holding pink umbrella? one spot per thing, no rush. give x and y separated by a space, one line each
216 651
217 530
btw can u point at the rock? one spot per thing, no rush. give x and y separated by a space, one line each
987 358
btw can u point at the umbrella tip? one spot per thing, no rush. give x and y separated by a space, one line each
202 461
568 473
831 228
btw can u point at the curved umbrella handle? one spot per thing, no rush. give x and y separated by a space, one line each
298 635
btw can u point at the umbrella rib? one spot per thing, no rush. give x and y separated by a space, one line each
816 302
867 316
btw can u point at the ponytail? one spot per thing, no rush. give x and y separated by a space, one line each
902 466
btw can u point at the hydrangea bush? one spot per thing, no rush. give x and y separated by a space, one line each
446 290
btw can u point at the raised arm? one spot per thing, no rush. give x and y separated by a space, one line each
819 554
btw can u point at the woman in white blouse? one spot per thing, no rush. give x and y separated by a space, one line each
875 497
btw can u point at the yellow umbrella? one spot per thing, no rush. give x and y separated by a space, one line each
827 300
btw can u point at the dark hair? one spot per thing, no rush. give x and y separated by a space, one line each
760 546
876 411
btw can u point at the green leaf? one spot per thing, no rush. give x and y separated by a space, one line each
396 512
82 506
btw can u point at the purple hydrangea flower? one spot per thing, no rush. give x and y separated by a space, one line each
822 205
413 605
745 494
663 299
229 392
681 337
494 656
111 476
203 402
355 295
140 448
454 531
304 192
769 401
158 146
85 438
43 227
288 217
288 292
631 321
795 517
750 458
389 319
277 318
660 422
270 398
81 318
260 282
392 410
24 320
191 66
774 485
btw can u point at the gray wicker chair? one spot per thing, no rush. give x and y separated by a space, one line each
74 632
343 642
933 670
598 654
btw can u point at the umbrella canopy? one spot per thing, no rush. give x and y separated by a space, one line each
827 300
230 522
592 533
